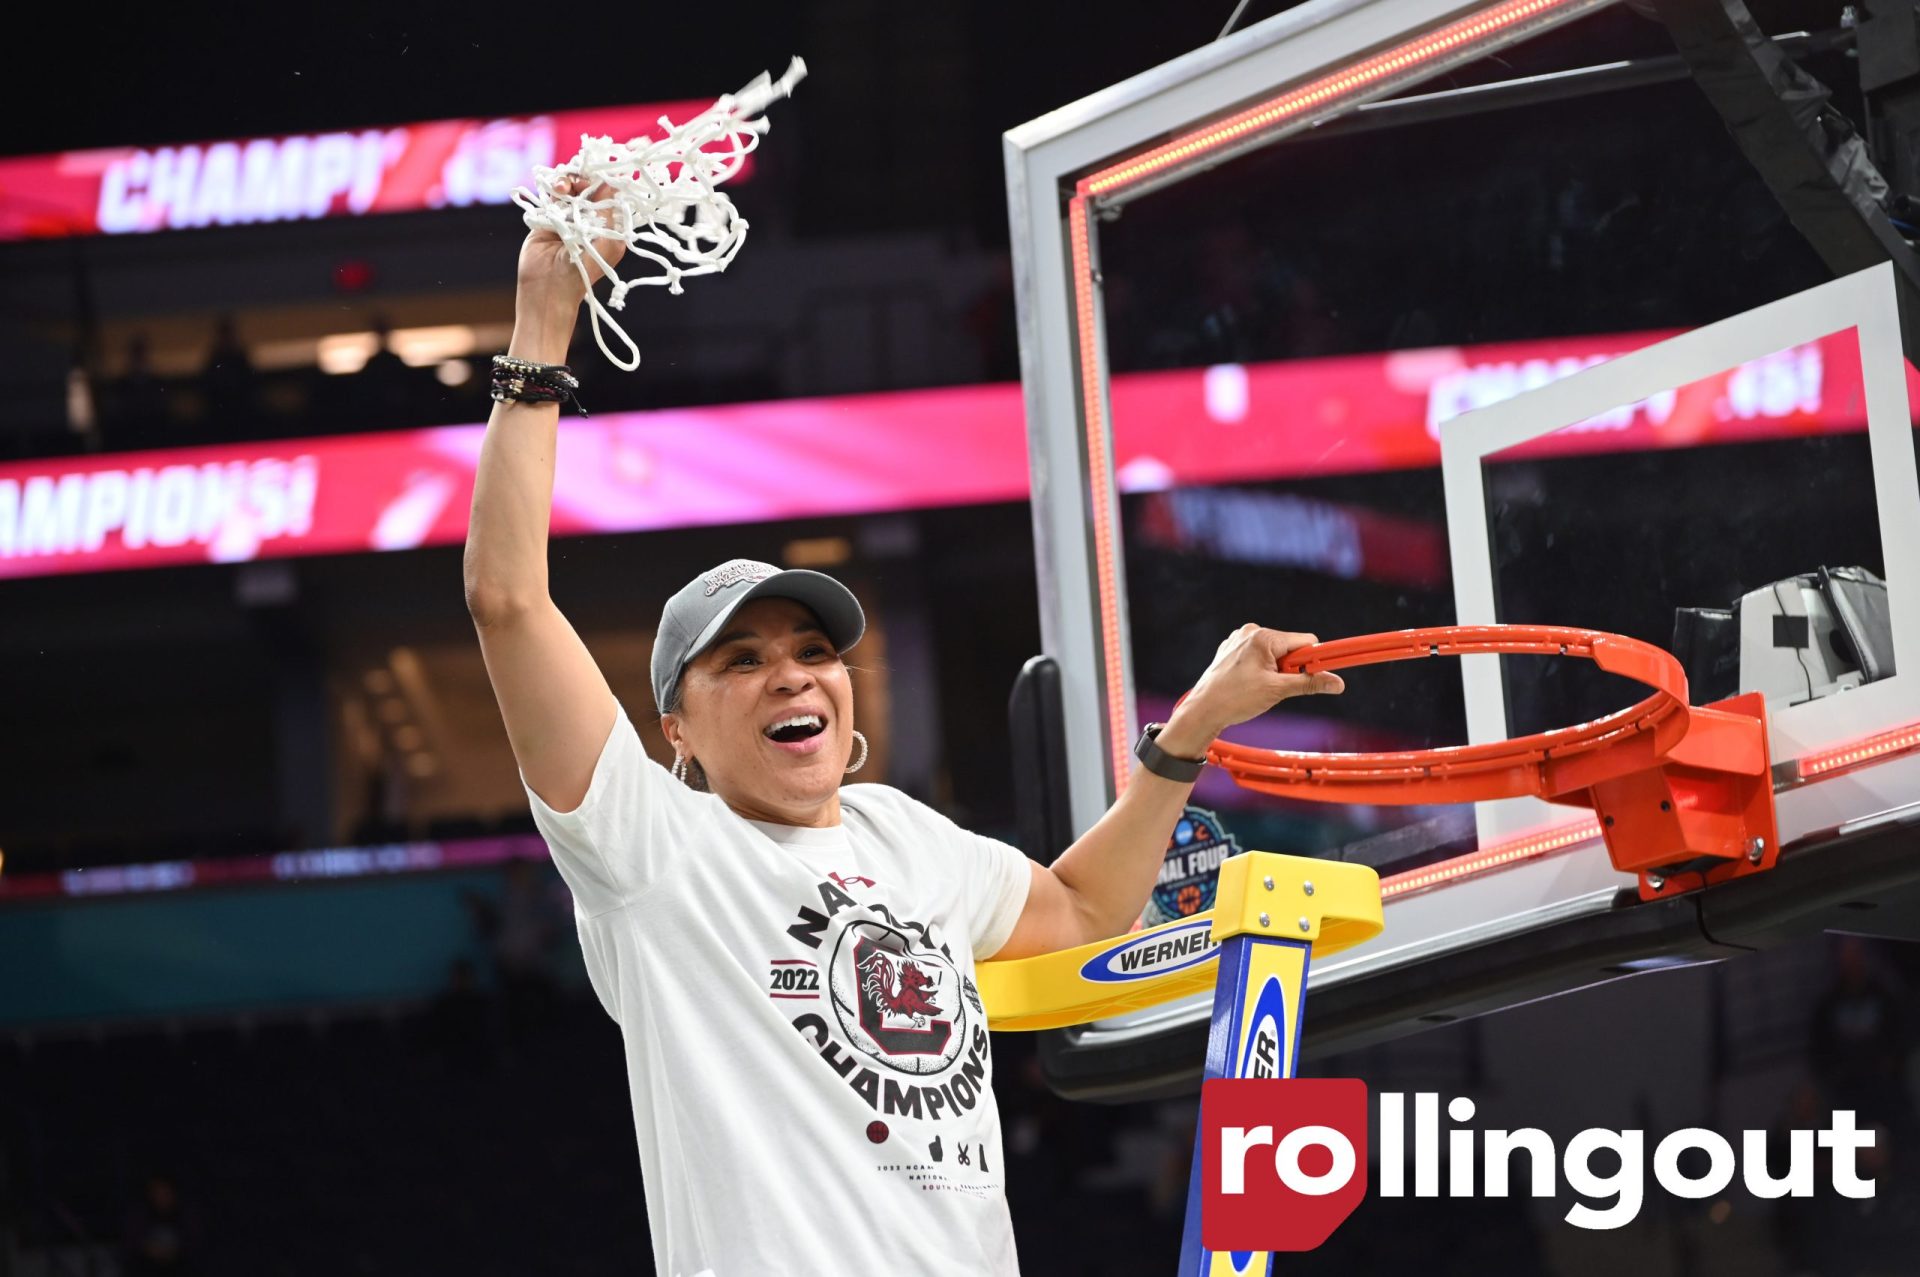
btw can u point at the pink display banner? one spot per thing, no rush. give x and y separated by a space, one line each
437 164
863 454
287 866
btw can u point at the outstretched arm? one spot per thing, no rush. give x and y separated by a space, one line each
1099 885
556 704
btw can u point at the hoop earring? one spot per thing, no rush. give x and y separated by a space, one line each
680 768
861 761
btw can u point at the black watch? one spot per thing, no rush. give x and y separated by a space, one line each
1161 763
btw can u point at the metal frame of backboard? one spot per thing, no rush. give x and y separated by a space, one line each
1289 73
1523 917
1865 302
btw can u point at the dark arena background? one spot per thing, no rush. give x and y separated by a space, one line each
288 984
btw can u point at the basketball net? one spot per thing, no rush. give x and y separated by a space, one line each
659 196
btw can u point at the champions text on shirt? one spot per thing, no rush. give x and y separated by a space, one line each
808 1058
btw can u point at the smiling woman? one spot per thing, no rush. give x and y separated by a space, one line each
755 699
790 958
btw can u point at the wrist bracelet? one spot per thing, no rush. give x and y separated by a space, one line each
524 381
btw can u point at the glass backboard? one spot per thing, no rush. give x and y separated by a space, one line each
1521 337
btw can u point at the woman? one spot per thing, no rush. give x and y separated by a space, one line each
790 961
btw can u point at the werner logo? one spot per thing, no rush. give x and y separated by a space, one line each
1154 954
1262 1056
1284 1161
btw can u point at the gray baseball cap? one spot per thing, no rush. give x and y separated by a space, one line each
694 617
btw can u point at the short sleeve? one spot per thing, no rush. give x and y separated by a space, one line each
998 877
610 846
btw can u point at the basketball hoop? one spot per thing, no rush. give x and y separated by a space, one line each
1679 788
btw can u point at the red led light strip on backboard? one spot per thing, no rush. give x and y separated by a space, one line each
1322 92
1495 857
1100 470
1871 750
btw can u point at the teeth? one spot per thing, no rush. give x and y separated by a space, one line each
798 720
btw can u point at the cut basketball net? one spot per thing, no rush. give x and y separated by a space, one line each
659 196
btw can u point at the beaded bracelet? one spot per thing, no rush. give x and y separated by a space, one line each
524 381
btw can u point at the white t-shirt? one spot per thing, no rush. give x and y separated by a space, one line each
809 1061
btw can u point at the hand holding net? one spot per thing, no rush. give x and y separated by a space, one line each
659 196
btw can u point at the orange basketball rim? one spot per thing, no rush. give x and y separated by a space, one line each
1683 792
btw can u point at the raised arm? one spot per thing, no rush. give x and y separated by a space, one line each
1098 886
556 704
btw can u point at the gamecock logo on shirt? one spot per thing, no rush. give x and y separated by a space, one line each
897 1003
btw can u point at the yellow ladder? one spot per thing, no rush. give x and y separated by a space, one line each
1271 915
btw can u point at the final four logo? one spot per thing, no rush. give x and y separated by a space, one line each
898 1004
1198 847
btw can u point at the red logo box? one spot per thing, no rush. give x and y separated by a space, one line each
1284 1161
